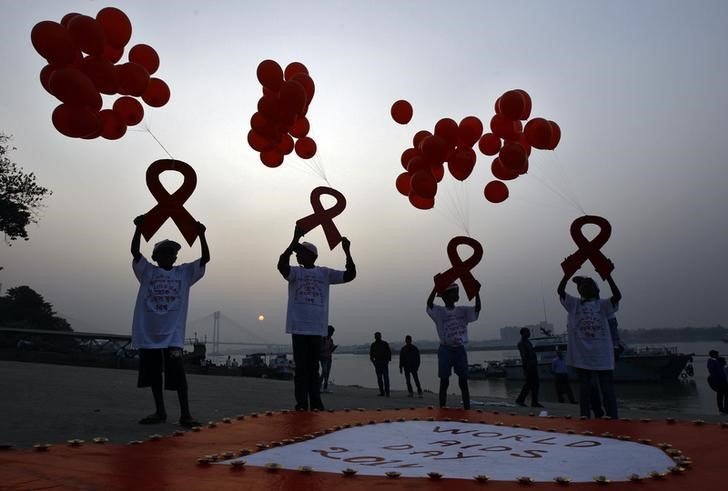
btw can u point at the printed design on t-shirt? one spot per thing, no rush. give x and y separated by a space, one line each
163 293
309 290
454 327
590 321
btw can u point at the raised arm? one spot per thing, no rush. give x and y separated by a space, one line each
350 272
431 298
616 294
284 266
477 298
561 289
204 249
137 238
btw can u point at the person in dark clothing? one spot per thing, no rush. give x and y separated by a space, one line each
561 378
381 355
717 380
409 361
530 369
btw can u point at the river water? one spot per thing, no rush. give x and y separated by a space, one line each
690 396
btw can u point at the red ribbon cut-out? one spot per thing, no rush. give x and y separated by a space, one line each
170 205
324 216
589 249
460 269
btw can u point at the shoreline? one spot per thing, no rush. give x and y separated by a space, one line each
46 403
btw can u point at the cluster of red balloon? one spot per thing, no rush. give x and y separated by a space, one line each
281 114
511 141
424 162
82 54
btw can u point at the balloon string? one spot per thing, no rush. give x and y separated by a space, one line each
146 127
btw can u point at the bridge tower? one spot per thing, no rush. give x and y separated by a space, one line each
216 332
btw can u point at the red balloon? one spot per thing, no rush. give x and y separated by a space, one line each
511 104
448 130
129 110
146 56
420 202
403 183
292 97
434 148
418 163
68 18
503 127
112 54
513 156
269 107
294 68
307 83
423 184
271 158
258 142
438 171
470 130
538 132
555 135
157 93
270 75
496 191
419 136
53 42
408 155
502 172
305 147
112 127
45 76
87 34
401 111
102 73
73 87
133 79
286 144
462 163
300 128
116 26
489 144
526 113
75 121
524 143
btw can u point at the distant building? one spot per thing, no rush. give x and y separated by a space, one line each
512 334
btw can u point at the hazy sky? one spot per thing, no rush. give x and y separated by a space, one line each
637 87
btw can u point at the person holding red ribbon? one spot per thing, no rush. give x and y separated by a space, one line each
160 317
590 349
451 323
307 317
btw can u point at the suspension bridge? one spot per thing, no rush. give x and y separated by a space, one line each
210 328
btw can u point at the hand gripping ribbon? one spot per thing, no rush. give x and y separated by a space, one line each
589 249
170 205
460 269
323 216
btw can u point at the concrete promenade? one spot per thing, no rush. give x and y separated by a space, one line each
43 403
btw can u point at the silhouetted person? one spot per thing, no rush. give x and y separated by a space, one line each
561 378
409 361
307 317
160 317
717 380
451 323
327 349
590 349
381 355
529 362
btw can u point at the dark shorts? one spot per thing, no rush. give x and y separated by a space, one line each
152 362
452 357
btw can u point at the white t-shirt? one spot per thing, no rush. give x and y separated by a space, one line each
452 324
308 299
590 343
160 313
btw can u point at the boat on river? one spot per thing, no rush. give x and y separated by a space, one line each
643 364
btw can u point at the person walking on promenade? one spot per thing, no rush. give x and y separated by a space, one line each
561 378
409 361
451 323
327 349
381 355
307 316
160 317
590 349
530 370
717 379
